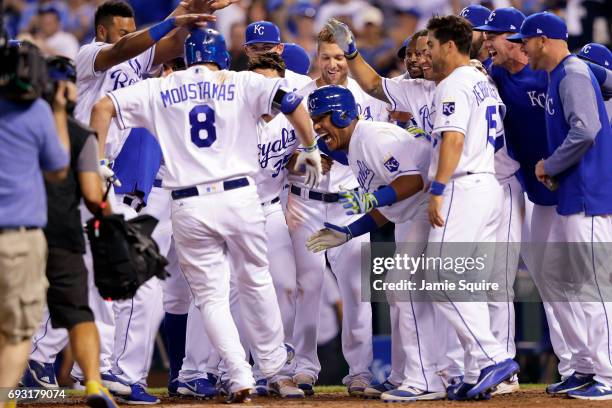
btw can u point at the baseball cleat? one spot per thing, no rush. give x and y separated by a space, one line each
357 387
201 388
305 382
261 388
507 387
138 396
238 396
286 388
97 396
173 388
410 394
458 392
39 375
374 391
574 382
596 391
492 376
114 384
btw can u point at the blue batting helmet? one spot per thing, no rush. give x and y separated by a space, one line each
206 45
334 99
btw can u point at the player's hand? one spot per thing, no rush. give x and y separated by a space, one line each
65 92
326 163
329 237
540 172
309 161
435 206
107 173
399 116
193 20
343 37
206 6
357 202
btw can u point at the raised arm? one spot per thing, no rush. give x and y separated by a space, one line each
367 78
101 115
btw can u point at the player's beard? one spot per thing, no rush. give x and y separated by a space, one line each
476 47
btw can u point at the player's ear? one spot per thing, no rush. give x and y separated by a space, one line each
280 48
101 32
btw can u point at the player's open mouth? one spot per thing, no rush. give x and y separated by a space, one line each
492 53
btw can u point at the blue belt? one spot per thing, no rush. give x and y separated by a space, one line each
193 191
314 195
157 183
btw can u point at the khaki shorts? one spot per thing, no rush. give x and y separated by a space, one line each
23 283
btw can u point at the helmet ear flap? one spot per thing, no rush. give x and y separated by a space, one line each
340 119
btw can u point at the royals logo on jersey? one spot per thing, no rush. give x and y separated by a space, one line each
448 108
391 164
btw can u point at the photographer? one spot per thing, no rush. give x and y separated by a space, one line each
67 296
31 147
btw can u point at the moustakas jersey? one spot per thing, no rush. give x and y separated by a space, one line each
414 96
381 152
277 142
92 85
369 109
467 102
203 120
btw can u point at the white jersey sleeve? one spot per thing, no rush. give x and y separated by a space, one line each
134 105
260 92
411 95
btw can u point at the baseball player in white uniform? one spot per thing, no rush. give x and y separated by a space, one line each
464 194
213 159
391 166
307 210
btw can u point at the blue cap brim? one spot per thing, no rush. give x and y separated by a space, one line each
516 38
490 28
261 42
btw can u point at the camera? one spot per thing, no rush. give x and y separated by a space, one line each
23 71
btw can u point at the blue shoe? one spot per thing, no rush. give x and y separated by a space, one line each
261 388
39 375
138 396
409 394
201 388
114 384
574 382
492 376
594 392
173 388
457 391
374 391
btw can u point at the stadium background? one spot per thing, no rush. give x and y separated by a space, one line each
380 26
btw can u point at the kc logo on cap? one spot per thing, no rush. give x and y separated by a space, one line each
262 32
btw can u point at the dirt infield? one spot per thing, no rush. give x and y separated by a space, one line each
532 397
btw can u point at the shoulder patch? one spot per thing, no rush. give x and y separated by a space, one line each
448 108
391 164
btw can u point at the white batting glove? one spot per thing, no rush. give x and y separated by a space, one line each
107 173
329 237
343 37
309 159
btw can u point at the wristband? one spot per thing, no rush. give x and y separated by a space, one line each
351 55
290 102
159 31
385 196
362 226
311 148
437 188
105 162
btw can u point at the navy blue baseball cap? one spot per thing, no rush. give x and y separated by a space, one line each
401 53
296 58
475 14
541 24
262 32
503 20
596 53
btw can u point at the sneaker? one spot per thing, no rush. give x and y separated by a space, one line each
39 375
493 375
357 387
114 384
138 396
238 396
374 391
575 381
286 388
507 387
173 388
97 396
201 388
594 392
261 388
409 394
305 382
